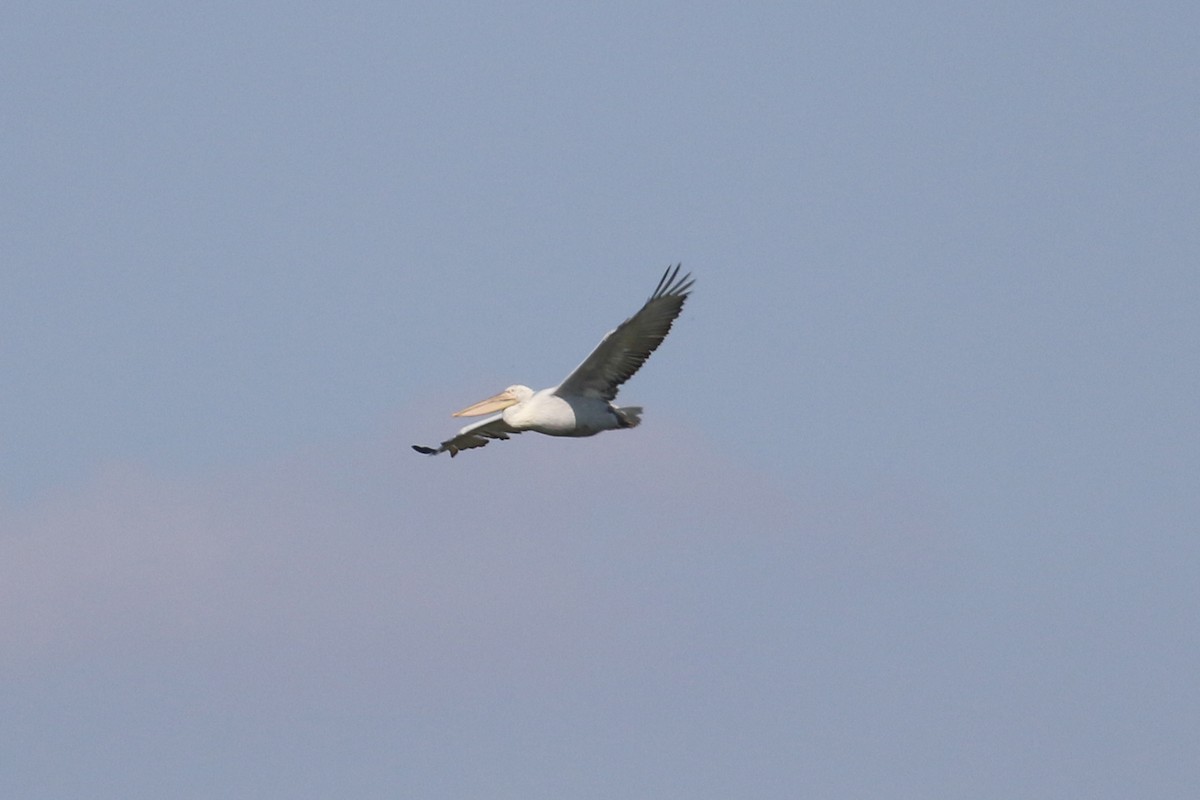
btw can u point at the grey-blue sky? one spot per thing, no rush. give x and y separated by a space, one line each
913 512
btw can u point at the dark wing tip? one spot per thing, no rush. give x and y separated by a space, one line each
672 284
429 451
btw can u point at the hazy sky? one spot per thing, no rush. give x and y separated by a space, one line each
914 509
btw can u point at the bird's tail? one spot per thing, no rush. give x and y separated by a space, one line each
629 416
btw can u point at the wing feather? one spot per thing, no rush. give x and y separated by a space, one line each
624 349
476 434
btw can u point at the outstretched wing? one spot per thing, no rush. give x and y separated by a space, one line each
622 351
474 435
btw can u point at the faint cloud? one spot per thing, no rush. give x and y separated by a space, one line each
534 558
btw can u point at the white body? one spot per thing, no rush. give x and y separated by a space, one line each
546 412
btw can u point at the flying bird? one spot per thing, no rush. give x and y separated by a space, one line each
582 404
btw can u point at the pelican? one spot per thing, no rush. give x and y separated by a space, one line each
582 404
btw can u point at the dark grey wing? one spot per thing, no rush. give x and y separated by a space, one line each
623 350
474 435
